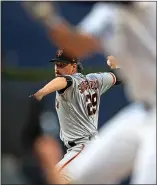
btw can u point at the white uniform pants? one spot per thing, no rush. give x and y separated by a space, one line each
127 144
67 165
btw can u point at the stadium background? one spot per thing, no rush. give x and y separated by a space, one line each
26 50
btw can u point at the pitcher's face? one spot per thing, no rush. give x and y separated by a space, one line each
62 68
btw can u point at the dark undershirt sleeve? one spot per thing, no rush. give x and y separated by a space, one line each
69 83
116 73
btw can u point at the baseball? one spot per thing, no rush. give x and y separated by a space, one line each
108 62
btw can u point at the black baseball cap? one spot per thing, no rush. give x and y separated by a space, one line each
62 57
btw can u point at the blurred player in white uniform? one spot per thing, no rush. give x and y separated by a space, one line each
129 33
77 105
128 144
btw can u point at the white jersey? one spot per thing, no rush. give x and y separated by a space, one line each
78 106
130 35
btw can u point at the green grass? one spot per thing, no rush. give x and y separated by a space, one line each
37 74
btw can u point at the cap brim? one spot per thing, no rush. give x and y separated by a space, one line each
59 60
56 60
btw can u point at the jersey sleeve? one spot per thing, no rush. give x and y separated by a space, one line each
106 81
99 22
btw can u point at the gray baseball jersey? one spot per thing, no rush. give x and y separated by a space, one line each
78 106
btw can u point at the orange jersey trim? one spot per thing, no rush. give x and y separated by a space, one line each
72 158
114 78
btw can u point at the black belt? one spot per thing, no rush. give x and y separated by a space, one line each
73 143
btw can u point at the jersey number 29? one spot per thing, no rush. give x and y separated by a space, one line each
91 100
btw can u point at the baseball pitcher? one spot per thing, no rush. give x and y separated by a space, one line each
77 104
